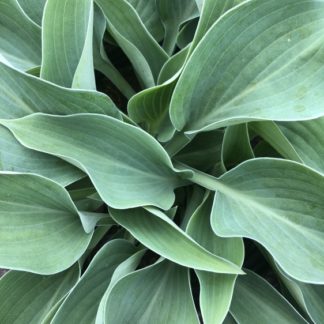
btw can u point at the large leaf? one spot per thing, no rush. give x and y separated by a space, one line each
266 66
132 36
67 43
33 9
27 298
160 234
82 303
255 302
216 290
20 37
157 294
278 203
126 165
40 229
23 94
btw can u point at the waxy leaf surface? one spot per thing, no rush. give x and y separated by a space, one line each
159 233
127 166
67 43
27 297
256 301
34 9
82 303
20 37
130 33
40 229
307 139
278 203
267 65
163 286
216 290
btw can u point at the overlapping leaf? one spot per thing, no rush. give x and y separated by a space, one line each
127 166
301 135
309 297
156 231
173 14
40 229
163 286
173 65
216 290
151 106
313 296
20 37
101 60
130 33
275 139
28 298
67 43
147 10
24 94
236 145
299 141
255 301
123 269
82 303
150 109
34 9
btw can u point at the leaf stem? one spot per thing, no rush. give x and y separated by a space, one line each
170 39
202 179
177 143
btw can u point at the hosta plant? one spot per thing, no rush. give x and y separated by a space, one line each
162 161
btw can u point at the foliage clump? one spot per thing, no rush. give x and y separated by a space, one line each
161 161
